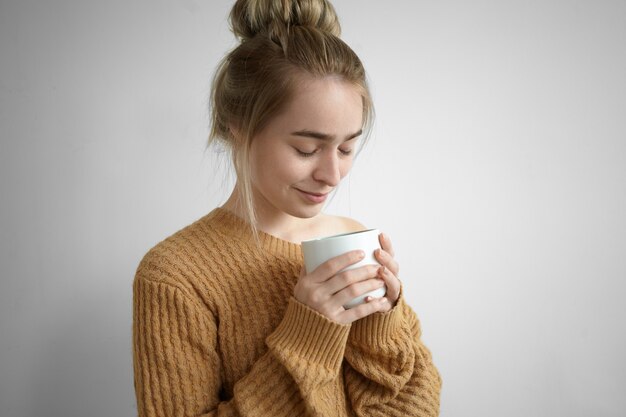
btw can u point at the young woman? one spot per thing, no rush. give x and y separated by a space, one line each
226 322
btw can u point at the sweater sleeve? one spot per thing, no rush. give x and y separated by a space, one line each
178 370
388 370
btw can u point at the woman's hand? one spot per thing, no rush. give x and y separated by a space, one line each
389 273
327 290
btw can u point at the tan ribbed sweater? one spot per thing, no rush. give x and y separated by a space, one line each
217 332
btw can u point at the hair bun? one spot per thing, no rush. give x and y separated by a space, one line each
250 17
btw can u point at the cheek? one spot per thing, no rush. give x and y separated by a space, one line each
278 167
345 167
263 168
264 157
290 170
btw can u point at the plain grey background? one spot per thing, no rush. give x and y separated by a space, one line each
497 166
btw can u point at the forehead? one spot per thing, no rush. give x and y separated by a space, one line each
329 105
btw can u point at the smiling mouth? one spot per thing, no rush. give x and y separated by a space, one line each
315 194
314 197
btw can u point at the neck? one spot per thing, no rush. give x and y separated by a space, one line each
271 220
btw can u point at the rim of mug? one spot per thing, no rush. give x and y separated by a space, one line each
337 236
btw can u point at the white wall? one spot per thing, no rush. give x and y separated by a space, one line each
498 167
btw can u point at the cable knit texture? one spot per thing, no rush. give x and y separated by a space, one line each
217 332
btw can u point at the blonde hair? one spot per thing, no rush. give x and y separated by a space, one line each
281 41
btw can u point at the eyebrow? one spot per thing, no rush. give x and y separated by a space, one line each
323 136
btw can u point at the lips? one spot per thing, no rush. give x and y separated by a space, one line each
316 194
313 197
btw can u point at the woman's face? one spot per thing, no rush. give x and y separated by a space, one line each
303 153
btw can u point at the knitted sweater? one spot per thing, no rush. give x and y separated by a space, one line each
217 332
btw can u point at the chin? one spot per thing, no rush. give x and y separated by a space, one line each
304 212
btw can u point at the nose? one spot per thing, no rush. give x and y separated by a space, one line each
328 169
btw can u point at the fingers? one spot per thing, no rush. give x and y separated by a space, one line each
381 305
313 289
365 309
357 289
331 267
393 284
329 287
386 254
387 260
385 244
351 277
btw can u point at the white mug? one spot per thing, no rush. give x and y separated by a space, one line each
318 251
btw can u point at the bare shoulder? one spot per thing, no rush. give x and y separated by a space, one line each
339 224
351 225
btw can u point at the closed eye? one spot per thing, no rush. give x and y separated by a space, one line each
344 152
305 154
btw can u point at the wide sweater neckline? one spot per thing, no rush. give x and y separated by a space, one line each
236 227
